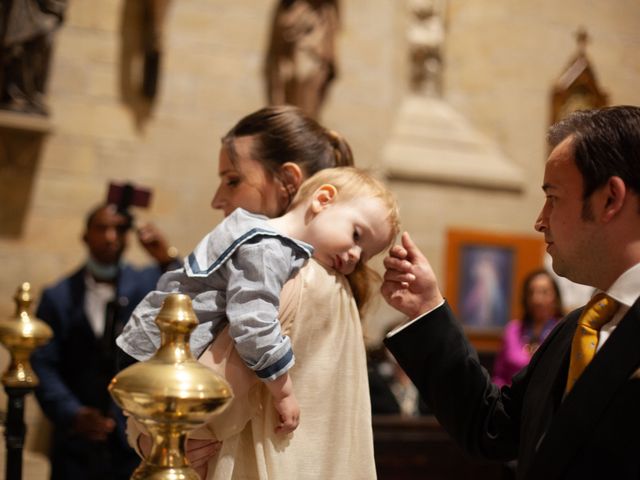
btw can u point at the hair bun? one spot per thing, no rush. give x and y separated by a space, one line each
343 156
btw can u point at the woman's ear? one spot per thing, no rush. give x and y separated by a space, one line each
324 196
291 177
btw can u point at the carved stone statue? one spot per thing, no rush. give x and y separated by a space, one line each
300 63
141 49
425 37
26 39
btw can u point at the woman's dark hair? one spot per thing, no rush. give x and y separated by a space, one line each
284 134
527 318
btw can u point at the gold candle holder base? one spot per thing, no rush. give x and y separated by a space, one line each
21 334
170 394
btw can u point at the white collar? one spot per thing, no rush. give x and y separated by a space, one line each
626 288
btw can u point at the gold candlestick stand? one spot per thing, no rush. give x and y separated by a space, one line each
21 335
170 394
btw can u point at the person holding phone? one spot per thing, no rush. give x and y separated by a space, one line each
86 311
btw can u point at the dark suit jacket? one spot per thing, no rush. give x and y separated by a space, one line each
592 433
74 370
383 401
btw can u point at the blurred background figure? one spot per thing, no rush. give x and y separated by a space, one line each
391 390
86 310
542 309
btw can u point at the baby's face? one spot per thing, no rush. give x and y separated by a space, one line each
346 232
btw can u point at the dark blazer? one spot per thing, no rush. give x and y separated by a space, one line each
592 433
74 370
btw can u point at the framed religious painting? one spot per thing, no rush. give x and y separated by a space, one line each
484 275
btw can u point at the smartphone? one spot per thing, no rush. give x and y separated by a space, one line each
126 195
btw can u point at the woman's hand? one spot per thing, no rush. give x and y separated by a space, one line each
198 452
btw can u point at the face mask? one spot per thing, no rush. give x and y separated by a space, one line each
101 271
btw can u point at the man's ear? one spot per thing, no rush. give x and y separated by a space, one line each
291 177
615 194
324 196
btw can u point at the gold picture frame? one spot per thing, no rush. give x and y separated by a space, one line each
484 276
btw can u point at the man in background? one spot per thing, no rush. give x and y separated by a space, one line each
86 311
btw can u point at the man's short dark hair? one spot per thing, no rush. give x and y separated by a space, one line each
606 143
98 208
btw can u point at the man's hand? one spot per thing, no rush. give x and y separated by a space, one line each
156 245
92 425
409 285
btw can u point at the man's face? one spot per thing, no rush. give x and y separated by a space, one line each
571 238
106 235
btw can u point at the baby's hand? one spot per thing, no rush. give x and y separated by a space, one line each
285 402
288 413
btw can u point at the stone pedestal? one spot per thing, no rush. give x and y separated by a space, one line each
21 138
431 142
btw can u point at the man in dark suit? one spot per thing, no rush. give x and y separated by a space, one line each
591 225
86 311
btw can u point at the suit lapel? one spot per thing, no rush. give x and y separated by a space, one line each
571 426
544 393
129 287
553 362
78 319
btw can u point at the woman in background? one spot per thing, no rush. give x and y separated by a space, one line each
542 307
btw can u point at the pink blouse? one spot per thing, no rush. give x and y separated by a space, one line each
517 348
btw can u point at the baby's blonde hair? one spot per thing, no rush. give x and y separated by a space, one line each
350 183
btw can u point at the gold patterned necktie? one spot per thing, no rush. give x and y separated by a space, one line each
599 311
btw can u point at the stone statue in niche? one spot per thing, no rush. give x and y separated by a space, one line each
426 37
300 63
141 49
27 29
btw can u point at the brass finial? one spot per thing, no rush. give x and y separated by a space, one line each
21 335
22 298
170 394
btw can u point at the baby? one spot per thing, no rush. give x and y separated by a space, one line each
341 216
